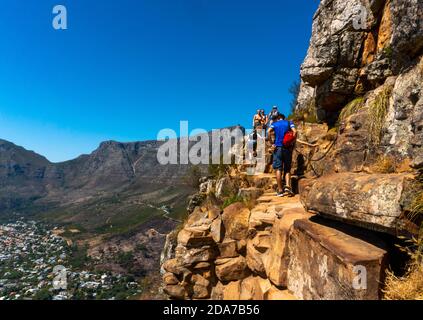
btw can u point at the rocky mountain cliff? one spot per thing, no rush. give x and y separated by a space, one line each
356 172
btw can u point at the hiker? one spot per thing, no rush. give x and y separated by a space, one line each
265 120
258 120
282 135
273 114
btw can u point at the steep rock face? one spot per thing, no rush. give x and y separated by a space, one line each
404 123
350 55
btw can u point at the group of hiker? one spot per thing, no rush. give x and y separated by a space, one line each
281 134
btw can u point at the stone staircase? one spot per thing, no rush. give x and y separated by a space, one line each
320 244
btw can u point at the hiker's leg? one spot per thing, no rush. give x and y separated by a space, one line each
287 164
277 166
288 180
279 180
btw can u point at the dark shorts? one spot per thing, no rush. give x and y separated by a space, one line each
282 159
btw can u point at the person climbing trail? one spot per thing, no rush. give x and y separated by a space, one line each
273 114
265 120
282 134
259 123
258 120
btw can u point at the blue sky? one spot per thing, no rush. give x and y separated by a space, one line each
126 69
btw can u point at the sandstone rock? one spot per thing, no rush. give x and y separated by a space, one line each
277 259
407 26
250 289
189 256
275 294
173 266
260 220
241 246
338 49
218 291
195 216
225 187
262 241
232 269
217 230
326 263
175 291
202 266
250 193
232 291
372 201
228 249
201 288
404 135
170 279
254 259
195 201
214 213
194 237
377 71
236 219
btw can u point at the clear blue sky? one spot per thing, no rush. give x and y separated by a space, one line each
126 69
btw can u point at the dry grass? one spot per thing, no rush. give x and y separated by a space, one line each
351 108
416 207
410 286
384 164
378 110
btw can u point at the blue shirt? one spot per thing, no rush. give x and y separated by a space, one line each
280 128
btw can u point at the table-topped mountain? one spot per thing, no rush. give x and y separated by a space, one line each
29 180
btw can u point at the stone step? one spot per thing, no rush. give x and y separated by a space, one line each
374 201
327 262
251 193
249 289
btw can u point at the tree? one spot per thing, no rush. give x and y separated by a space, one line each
294 90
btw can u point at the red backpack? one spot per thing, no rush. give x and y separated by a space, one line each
289 139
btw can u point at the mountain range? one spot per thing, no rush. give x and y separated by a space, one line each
115 178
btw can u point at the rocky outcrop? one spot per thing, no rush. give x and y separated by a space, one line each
355 46
374 201
326 263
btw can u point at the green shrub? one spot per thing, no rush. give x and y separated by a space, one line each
231 200
43 294
351 108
